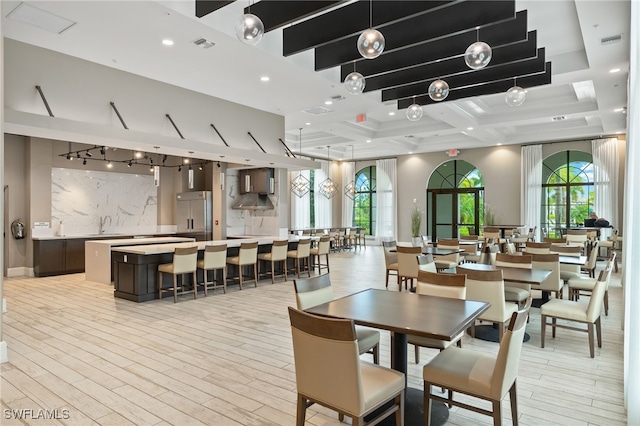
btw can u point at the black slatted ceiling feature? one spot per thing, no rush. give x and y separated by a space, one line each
446 68
459 16
487 88
348 21
205 7
277 13
431 51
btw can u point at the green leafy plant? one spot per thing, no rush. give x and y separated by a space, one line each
416 221
489 215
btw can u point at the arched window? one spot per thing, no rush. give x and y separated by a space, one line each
455 200
567 191
364 202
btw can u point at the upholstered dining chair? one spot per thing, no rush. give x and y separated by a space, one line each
515 292
488 254
214 258
479 374
449 260
316 291
488 286
301 255
322 249
492 235
426 263
390 260
570 310
576 236
521 240
407 265
247 256
278 253
611 244
580 286
185 261
531 247
550 262
470 253
592 260
329 372
567 271
441 285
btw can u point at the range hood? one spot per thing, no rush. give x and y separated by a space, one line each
253 201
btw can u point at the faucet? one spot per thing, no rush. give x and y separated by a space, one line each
102 223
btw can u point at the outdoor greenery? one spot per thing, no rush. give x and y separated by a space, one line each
364 201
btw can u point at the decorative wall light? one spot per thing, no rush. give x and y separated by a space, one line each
250 28
371 42
156 175
300 185
350 188
478 54
438 90
190 181
414 112
515 96
354 82
327 187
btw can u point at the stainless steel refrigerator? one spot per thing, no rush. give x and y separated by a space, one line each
193 215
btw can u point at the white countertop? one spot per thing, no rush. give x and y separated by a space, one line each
139 241
93 236
170 248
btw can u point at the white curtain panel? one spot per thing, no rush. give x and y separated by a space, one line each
322 203
531 194
300 206
348 175
605 178
386 193
631 247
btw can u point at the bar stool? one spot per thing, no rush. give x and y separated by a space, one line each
184 262
215 257
247 256
302 252
321 250
278 253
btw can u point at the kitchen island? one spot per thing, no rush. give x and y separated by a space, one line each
97 254
135 273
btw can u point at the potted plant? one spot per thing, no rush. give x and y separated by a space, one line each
416 222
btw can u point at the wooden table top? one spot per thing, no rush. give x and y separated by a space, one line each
516 275
435 251
405 313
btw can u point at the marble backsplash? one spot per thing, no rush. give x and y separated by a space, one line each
86 201
250 222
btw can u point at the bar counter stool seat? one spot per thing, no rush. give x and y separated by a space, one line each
278 253
303 251
248 256
215 258
184 262
324 245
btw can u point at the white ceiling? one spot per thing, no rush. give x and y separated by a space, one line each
127 35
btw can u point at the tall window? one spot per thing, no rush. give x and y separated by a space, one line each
312 198
567 191
364 202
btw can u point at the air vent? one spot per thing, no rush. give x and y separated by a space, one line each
338 98
611 39
203 43
317 110
559 118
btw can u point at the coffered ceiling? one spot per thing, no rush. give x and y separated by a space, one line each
560 51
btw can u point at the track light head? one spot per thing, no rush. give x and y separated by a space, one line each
88 154
84 162
68 156
129 163
179 168
102 151
200 167
218 164
78 155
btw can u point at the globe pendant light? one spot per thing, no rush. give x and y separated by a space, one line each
350 188
371 42
250 28
438 90
300 185
478 54
354 82
515 96
414 112
327 187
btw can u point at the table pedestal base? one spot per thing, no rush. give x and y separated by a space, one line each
414 410
490 333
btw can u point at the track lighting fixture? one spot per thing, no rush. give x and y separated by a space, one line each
88 154
179 168
84 162
78 155
218 164
129 163
200 167
102 151
68 156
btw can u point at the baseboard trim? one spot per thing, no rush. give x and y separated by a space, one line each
20 271
3 353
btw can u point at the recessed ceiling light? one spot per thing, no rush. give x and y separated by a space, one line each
614 70
167 42
392 113
499 144
618 110
368 140
264 78
618 133
469 128
307 124
328 102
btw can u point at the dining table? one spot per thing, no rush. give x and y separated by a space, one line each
503 228
405 314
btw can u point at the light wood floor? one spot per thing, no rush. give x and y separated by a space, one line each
227 359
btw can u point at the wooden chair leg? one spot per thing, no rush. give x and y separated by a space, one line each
159 285
514 404
417 353
255 274
497 413
591 338
599 332
427 403
302 410
240 275
543 324
500 331
400 413
327 255
175 288
195 284
606 302
224 279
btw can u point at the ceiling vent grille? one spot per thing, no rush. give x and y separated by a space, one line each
203 43
559 118
611 39
319 110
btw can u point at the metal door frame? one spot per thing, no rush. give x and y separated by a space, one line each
455 221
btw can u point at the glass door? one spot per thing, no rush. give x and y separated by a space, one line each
453 212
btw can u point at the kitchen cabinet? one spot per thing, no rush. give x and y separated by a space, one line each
257 181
